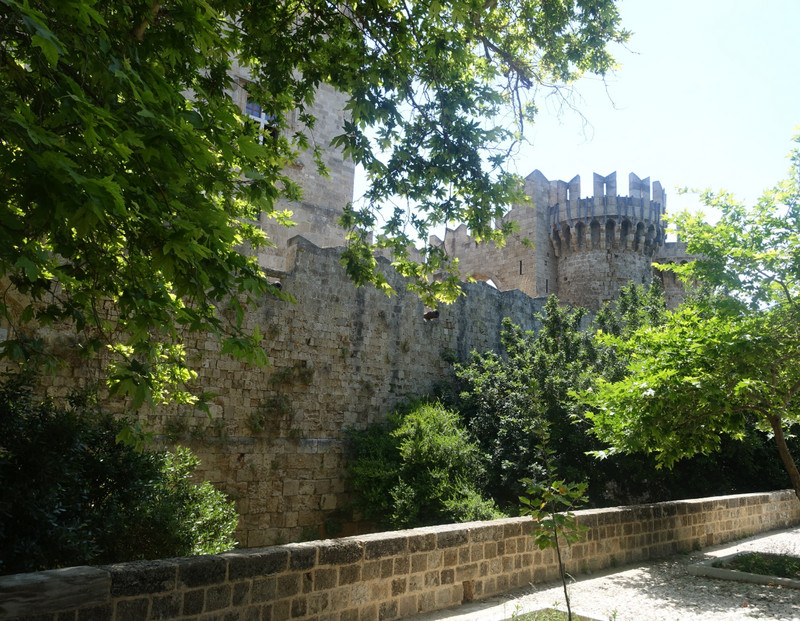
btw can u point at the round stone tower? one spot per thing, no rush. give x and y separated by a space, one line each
603 242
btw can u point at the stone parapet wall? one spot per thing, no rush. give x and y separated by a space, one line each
384 576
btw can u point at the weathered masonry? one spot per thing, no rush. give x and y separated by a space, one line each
340 357
580 249
386 575
343 356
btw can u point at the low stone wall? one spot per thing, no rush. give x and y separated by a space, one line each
381 576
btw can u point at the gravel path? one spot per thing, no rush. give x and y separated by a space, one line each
654 591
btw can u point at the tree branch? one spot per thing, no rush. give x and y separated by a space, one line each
138 33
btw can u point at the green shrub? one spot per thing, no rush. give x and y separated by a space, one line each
73 495
420 469
507 400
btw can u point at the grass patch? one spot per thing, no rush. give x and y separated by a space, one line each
780 565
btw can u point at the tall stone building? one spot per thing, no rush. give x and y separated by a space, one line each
316 216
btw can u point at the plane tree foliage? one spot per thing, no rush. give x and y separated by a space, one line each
729 357
130 181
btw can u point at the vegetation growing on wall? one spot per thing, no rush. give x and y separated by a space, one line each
73 495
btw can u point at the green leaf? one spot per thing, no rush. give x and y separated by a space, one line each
49 48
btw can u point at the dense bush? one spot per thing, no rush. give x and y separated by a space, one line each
514 416
419 469
510 401
522 398
72 494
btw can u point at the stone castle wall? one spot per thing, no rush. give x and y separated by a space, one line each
344 356
340 357
581 249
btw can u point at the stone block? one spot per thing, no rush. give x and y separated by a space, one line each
299 607
486 532
218 597
132 609
349 615
451 538
340 552
193 602
435 559
379 591
241 594
349 574
402 565
264 590
244 564
196 571
325 579
166 606
422 542
96 613
419 562
368 613
388 546
388 611
142 577
302 556
466 572
56 589
288 585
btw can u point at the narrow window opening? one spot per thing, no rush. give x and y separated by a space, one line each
520 268
546 285
264 123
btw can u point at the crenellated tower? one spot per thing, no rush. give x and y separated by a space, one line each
605 241
581 249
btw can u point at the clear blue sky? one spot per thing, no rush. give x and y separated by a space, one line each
707 96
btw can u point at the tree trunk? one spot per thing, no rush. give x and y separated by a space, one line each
786 457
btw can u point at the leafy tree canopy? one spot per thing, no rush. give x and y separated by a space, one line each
751 256
518 403
731 354
129 176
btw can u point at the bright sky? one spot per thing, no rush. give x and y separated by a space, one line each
707 96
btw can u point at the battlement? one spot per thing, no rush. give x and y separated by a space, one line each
633 223
583 249
605 199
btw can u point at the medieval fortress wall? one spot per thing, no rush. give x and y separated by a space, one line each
339 357
343 356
